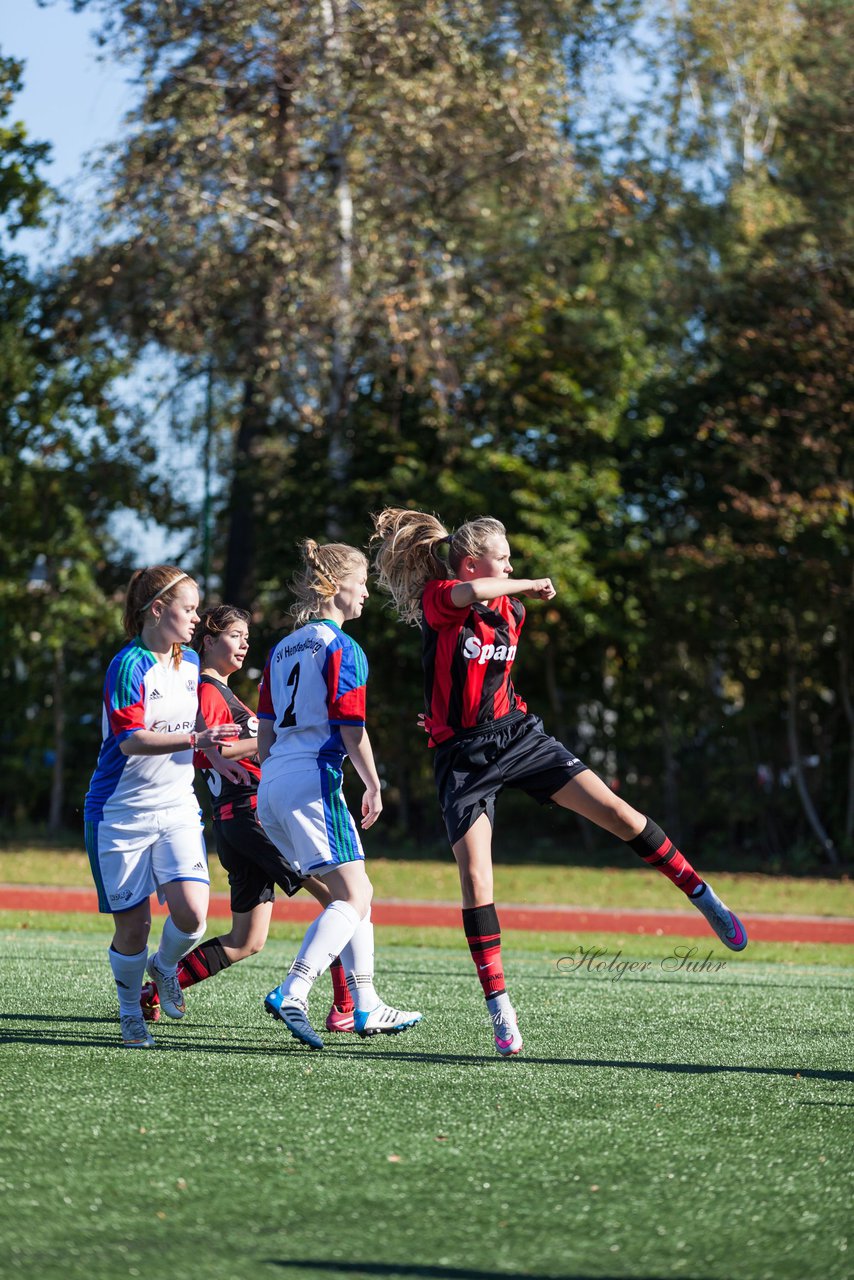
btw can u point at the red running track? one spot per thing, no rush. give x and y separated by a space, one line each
446 915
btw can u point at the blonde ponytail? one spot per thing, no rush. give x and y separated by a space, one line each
324 568
408 554
413 548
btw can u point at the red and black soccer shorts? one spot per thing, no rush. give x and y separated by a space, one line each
477 764
253 862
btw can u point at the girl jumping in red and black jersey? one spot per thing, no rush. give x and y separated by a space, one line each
254 865
459 588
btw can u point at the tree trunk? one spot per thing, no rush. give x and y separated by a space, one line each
671 770
845 694
798 771
240 577
241 560
57 785
339 447
558 727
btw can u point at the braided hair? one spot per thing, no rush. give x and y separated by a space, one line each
324 568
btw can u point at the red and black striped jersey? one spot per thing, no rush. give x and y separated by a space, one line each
467 654
219 705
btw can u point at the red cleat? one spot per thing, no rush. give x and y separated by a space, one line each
149 1002
339 1019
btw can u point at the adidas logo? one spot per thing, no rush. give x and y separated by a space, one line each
198 866
155 693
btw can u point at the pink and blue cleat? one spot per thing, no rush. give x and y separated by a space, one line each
339 1019
725 923
508 1041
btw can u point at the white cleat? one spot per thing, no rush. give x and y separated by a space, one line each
168 988
383 1021
508 1041
135 1034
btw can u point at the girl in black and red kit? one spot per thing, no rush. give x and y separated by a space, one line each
254 865
458 587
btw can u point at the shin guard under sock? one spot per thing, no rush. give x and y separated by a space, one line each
483 934
653 846
202 962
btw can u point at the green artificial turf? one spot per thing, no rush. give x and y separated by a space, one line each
660 1124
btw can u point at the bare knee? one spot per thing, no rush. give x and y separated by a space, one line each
476 886
188 919
130 938
241 946
627 822
318 890
617 817
589 796
350 884
361 900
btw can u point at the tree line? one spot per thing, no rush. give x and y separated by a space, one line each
583 265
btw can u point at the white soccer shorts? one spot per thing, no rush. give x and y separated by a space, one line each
133 857
306 816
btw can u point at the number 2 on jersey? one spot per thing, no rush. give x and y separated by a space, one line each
289 719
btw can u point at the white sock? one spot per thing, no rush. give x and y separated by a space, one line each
129 973
174 944
325 938
499 1004
358 961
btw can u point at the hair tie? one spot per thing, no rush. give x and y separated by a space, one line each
163 590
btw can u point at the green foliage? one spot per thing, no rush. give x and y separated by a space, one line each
739 554
433 255
69 462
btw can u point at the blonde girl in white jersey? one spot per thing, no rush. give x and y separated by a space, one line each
143 825
311 716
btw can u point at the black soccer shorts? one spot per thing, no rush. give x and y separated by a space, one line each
253 862
477 764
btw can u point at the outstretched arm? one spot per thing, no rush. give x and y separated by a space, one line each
148 742
465 593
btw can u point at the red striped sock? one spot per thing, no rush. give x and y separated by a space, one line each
202 962
340 991
657 851
483 934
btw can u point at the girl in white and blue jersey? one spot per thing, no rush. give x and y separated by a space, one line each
311 716
143 825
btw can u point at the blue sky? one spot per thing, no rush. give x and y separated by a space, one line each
69 99
74 99
75 102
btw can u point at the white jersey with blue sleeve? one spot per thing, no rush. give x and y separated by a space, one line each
141 693
314 683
